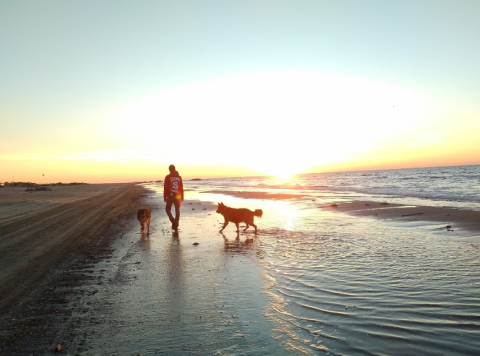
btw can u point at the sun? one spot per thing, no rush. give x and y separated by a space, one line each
285 175
284 165
283 172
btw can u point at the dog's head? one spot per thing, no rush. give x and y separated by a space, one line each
221 208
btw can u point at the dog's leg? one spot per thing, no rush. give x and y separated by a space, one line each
224 225
148 226
246 228
238 227
255 226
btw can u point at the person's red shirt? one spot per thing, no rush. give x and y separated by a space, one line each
173 184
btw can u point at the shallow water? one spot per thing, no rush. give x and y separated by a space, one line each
374 290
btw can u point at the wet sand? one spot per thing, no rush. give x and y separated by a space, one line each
186 293
465 222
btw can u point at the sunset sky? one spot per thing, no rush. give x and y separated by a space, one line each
115 91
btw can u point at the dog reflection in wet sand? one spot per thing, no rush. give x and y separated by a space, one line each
237 245
144 218
238 215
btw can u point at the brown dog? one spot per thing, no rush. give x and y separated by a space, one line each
144 218
238 215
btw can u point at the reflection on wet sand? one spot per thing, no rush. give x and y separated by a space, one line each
145 241
237 245
175 274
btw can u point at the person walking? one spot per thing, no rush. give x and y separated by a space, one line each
173 194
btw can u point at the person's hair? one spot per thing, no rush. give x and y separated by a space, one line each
171 168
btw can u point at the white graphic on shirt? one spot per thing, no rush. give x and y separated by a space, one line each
175 183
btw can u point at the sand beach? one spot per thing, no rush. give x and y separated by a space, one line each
316 278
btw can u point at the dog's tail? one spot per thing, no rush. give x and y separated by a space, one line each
258 212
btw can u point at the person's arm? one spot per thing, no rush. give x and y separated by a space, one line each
181 187
166 186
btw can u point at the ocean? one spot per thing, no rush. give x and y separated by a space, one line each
457 186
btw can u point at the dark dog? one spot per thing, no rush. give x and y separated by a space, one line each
238 215
144 218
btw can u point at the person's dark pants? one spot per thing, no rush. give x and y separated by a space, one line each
174 220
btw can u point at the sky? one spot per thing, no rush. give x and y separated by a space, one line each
115 91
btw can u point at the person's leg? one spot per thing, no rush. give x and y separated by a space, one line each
168 209
177 213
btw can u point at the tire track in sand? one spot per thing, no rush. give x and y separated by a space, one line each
49 240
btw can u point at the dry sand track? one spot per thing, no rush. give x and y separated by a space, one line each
42 231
